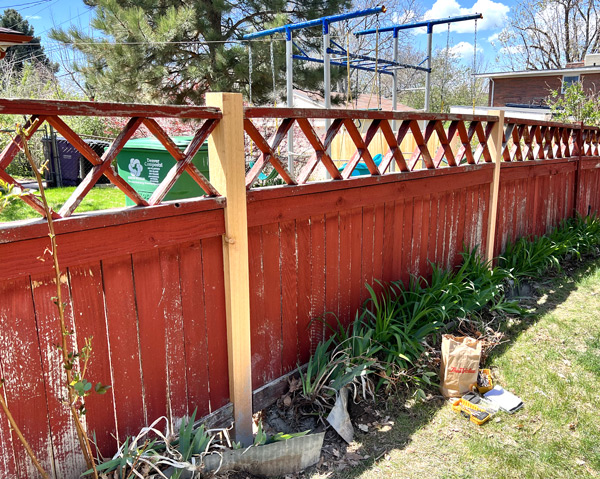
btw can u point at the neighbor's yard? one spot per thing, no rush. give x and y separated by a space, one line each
97 199
552 363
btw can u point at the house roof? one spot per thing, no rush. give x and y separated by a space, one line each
9 37
540 73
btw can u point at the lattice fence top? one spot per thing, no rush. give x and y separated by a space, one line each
411 141
436 140
40 111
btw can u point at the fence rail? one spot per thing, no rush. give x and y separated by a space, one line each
157 285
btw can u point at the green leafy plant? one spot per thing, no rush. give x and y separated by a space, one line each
191 442
532 258
7 194
575 104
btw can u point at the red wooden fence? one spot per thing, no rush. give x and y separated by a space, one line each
147 283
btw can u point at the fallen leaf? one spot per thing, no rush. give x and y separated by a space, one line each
335 452
352 456
572 426
287 401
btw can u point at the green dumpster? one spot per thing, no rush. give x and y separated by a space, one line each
144 163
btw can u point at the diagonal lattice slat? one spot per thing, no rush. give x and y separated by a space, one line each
362 148
9 152
422 150
94 159
183 160
320 148
268 151
98 170
394 153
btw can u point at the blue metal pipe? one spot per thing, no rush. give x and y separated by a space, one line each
425 23
383 63
341 64
323 21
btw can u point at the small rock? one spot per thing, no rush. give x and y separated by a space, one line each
287 401
580 462
363 427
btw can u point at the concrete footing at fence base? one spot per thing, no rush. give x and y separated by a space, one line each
275 459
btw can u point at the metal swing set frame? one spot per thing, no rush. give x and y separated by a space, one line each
354 61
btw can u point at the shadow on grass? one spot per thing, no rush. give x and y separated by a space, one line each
549 294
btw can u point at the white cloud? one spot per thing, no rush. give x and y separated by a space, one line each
494 15
494 38
33 17
464 50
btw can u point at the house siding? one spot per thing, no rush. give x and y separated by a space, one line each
533 90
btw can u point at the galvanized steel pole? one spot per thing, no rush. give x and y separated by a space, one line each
428 74
289 72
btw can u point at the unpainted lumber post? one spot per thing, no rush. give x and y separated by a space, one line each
495 147
227 175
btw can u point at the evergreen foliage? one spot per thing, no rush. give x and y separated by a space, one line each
32 51
175 51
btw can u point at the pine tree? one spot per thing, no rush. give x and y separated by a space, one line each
19 54
175 51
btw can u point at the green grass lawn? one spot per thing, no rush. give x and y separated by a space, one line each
96 199
553 363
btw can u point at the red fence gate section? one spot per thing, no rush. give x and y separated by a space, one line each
148 283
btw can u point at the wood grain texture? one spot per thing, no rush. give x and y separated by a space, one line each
89 316
194 326
21 358
123 334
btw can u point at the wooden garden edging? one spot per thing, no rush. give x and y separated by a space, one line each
206 302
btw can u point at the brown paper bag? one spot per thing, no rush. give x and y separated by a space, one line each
460 363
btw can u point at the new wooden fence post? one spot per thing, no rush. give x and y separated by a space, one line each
495 147
227 174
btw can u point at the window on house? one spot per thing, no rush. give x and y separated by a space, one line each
568 81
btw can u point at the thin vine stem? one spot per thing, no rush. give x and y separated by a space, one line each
84 440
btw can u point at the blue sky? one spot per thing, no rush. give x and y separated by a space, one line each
44 14
462 34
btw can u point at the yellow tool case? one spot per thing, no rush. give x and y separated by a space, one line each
476 414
